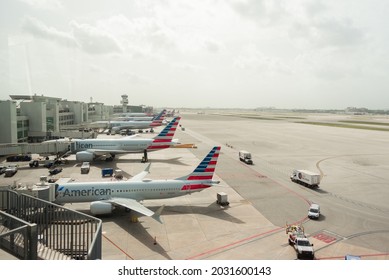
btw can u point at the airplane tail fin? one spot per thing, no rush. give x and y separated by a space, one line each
157 214
206 168
164 138
157 121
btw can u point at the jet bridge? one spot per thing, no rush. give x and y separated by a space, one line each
58 148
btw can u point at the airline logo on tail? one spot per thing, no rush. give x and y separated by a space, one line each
157 121
203 172
164 139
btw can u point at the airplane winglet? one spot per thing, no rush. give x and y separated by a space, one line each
147 169
157 214
131 136
140 176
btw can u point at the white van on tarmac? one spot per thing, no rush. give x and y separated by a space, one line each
314 211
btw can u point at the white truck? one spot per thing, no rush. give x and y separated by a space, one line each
303 248
300 242
305 178
245 156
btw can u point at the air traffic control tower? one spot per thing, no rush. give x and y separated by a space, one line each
124 102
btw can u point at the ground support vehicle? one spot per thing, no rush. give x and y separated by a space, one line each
34 163
245 156
46 162
107 172
314 211
222 199
300 242
18 158
118 174
306 178
55 171
2 169
11 170
85 167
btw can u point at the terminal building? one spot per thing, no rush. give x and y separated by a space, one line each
31 226
33 119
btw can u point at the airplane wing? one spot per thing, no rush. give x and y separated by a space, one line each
127 126
131 136
139 177
136 206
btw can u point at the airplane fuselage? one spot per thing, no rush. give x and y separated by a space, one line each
126 124
134 119
132 115
89 149
146 189
117 125
125 145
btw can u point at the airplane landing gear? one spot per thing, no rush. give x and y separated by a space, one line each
110 158
144 158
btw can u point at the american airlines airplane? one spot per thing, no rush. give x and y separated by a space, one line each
89 149
125 117
116 126
132 114
105 196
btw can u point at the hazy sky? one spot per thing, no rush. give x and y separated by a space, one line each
186 53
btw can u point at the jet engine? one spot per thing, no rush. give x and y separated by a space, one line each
115 129
101 208
84 156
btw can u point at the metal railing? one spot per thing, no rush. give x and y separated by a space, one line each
18 237
59 232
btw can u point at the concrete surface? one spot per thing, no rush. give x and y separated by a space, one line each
353 194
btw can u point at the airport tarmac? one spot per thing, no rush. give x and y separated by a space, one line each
353 194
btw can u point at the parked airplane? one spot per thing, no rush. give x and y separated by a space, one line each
125 117
104 196
170 113
116 126
89 149
134 118
132 114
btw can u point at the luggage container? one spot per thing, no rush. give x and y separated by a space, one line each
85 167
107 172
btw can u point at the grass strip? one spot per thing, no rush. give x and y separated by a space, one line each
365 122
340 125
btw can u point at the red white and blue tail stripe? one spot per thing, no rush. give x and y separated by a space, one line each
157 121
164 139
201 177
